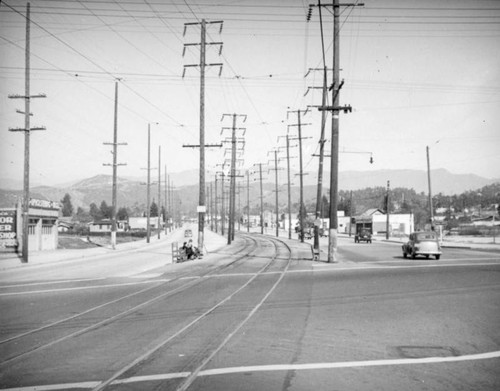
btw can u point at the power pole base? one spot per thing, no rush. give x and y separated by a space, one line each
332 246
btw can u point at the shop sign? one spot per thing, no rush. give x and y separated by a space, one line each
8 235
44 204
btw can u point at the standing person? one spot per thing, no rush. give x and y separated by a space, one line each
189 249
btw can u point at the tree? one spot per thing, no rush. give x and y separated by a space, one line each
122 214
82 215
106 211
154 210
95 212
67 207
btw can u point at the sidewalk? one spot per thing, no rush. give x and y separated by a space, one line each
212 242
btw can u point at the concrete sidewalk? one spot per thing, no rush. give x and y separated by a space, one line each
212 243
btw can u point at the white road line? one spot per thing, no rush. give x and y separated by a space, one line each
269 368
372 265
52 282
81 288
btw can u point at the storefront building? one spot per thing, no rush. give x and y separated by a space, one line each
42 227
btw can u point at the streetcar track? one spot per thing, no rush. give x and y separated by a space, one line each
120 315
135 363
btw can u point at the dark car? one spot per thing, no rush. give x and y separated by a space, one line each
422 243
363 236
188 233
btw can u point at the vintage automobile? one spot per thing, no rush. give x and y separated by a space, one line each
363 235
188 233
422 243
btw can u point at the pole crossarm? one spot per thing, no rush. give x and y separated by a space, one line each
221 22
17 96
27 130
198 145
22 112
345 109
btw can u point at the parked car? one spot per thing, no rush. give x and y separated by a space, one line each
422 243
188 233
363 235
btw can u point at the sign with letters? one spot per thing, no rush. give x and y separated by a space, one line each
8 234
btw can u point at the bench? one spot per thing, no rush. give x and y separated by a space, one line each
178 255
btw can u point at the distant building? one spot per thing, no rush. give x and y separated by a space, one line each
141 223
105 226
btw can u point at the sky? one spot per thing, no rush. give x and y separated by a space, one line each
416 74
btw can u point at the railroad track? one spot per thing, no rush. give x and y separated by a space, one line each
80 323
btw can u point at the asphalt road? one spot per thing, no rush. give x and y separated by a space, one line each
256 315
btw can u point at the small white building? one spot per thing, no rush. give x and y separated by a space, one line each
141 223
105 226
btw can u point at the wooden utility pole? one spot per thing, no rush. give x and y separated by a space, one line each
261 200
248 201
27 130
148 195
301 174
165 217
233 175
289 188
276 182
319 190
115 165
159 191
211 208
216 211
334 169
202 64
350 213
387 211
223 211
335 109
431 207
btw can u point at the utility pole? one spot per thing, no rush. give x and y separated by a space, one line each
276 178
115 166
261 199
289 184
216 211
27 130
431 208
248 201
159 190
276 187
232 188
387 211
350 213
211 208
222 217
319 190
165 218
202 64
148 191
335 109
302 210
239 208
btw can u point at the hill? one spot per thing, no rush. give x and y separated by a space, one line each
132 193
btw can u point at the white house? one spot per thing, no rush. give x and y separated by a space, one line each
105 226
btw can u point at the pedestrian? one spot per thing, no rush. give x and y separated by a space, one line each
189 249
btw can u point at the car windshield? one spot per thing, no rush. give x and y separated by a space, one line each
426 236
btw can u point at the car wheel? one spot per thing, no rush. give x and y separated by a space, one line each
437 257
404 254
413 254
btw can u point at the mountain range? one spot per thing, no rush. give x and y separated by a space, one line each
132 191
